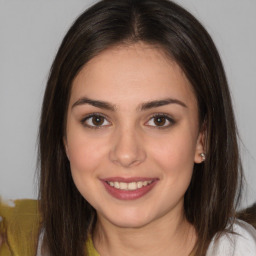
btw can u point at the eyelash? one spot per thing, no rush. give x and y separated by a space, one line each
166 117
83 121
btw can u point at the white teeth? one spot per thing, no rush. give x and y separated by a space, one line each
116 185
144 183
139 184
130 185
123 185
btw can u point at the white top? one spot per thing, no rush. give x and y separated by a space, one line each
241 243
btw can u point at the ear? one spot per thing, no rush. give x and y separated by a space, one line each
66 146
200 148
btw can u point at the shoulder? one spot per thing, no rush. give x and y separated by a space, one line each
241 242
20 221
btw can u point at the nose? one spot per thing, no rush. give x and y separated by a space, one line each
127 148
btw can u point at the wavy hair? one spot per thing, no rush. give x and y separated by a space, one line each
215 188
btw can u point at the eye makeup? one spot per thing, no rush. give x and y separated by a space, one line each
160 121
99 120
95 121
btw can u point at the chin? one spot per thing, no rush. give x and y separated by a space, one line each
129 218
130 223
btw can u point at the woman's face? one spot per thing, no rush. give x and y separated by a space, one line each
133 135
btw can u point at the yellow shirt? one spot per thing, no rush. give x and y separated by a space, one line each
91 251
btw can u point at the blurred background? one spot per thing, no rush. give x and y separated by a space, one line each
30 34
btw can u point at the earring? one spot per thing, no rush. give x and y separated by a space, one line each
203 156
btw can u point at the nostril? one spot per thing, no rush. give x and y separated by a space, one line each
127 149
126 159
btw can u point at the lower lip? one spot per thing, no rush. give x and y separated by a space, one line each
129 194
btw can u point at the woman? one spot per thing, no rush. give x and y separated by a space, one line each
138 142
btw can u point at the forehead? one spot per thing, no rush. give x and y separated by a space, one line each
129 73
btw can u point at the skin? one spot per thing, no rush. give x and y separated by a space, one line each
129 142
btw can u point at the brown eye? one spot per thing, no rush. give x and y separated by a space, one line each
160 121
95 121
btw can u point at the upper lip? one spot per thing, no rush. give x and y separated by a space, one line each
128 180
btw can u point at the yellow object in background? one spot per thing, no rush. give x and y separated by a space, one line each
19 227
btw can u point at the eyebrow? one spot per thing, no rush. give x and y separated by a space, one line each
159 103
95 103
142 107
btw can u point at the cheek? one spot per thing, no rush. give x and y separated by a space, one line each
174 154
85 153
175 161
85 157
175 148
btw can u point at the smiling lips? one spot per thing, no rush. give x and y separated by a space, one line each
128 189
129 186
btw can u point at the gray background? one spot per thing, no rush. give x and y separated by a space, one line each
30 33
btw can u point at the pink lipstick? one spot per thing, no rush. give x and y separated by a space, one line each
129 188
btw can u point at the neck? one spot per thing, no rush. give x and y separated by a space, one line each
164 236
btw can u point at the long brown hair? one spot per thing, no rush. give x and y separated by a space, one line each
215 188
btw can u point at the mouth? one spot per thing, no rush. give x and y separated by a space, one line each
129 186
129 189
